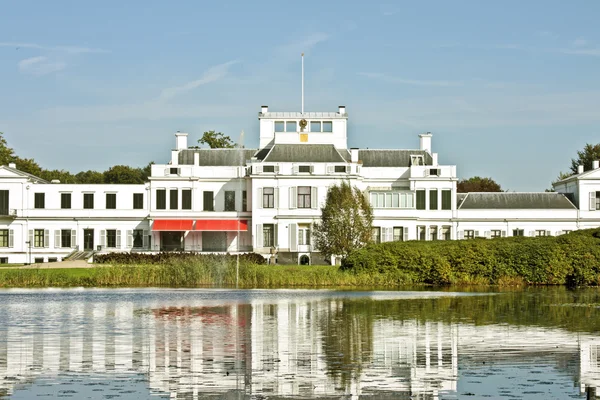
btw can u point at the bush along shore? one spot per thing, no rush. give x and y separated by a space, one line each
572 259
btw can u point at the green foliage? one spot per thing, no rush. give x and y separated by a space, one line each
217 140
90 177
123 174
346 221
572 259
477 184
168 257
585 157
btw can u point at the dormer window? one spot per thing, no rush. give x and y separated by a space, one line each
269 168
291 126
416 160
279 126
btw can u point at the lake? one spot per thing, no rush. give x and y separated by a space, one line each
536 343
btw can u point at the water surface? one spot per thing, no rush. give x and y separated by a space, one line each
298 344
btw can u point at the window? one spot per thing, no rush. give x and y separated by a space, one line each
433 233
420 233
445 233
340 168
597 200
304 168
186 199
40 200
88 201
469 234
446 199
3 260
539 233
138 201
38 238
3 202
495 233
65 200
111 201
229 200
174 171
398 237
304 197
208 201
173 199
269 168
138 238
65 238
416 160
111 238
376 234
327 126
279 126
518 232
244 200
303 235
434 172
290 126
161 199
3 237
315 126
420 199
268 197
392 200
433 199
268 235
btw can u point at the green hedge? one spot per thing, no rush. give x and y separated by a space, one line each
572 259
170 257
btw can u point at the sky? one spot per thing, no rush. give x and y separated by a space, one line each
508 89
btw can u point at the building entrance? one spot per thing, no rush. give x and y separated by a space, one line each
88 239
171 241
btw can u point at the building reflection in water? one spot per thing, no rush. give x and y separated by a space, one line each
309 348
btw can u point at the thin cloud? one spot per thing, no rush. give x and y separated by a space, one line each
39 66
580 42
213 74
581 52
66 49
414 82
294 49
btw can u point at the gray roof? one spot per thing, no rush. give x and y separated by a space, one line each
304 153
505 200
25 174
216 157
391 158
299 115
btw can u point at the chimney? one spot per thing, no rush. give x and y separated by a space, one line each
595 164
196 159
181 141
434 158
580 169
354 155
264 109
12 165
342 110
425 141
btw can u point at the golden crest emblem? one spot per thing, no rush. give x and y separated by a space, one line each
303 124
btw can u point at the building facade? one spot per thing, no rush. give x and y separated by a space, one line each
267 199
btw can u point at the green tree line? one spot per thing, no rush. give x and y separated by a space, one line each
115 174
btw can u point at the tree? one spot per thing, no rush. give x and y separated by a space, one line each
217 140
346 221
585 157
478 184
123 174
89 177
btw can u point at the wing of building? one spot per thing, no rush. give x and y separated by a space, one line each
266 199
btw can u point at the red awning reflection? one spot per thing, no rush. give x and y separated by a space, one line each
173 225
221 225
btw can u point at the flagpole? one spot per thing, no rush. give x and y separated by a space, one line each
302 83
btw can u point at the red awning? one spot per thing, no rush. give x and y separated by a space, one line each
221 225
173 225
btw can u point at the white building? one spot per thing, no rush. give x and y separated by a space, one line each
265 200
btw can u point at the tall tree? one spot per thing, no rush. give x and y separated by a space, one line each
217 140
346 221
585 157
89 177
123 174
7 154
478 184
